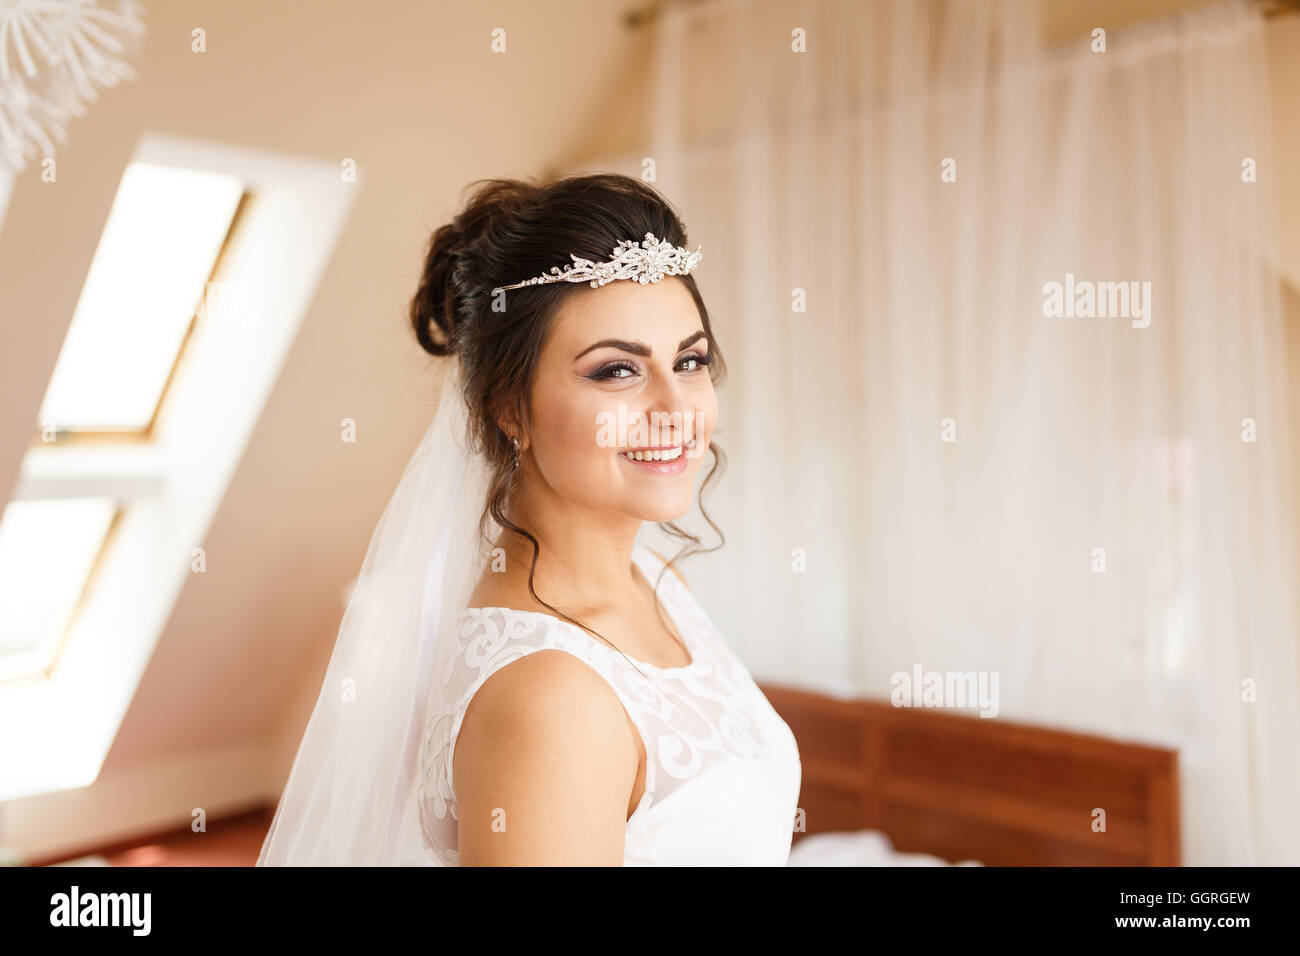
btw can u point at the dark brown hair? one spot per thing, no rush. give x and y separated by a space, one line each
508 231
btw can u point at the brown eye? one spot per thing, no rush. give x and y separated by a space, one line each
609 371
701 361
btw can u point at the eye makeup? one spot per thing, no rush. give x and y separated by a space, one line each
609 372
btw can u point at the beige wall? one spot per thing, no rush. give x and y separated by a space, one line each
1284 87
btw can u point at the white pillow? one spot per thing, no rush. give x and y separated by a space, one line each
859 848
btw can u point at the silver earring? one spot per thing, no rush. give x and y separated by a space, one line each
515 441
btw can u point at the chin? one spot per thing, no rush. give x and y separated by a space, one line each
670 508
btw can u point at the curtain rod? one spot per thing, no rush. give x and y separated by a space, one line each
649 12
1275 8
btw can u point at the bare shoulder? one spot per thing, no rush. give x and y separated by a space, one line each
674 568
544 684
544 765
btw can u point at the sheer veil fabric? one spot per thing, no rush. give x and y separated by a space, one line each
350 799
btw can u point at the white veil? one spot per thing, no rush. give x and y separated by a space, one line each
351 796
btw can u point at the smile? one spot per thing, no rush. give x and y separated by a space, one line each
659 461
654 454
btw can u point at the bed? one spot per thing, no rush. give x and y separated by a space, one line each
913 786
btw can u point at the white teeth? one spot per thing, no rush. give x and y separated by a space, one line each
668 454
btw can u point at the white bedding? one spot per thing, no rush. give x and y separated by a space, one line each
859 848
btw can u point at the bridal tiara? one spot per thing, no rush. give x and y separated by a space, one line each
648 262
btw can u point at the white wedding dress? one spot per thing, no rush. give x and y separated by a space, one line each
722 768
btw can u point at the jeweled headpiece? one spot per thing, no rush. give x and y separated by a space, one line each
649 262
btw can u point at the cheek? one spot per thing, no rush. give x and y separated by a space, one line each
566 446
706 412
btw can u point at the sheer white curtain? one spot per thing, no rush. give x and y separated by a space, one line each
1098 534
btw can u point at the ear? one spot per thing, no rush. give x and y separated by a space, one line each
510 423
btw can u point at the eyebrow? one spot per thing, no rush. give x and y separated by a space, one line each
636 348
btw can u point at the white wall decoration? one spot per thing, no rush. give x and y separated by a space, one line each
55 58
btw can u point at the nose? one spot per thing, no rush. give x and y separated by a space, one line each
670 414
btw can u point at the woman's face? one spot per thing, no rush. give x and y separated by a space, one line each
625 369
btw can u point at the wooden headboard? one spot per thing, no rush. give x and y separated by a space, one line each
965 787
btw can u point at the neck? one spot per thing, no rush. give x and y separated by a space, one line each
585 555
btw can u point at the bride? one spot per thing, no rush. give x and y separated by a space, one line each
518 680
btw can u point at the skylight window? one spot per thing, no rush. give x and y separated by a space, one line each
47 551
160 244
207 263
